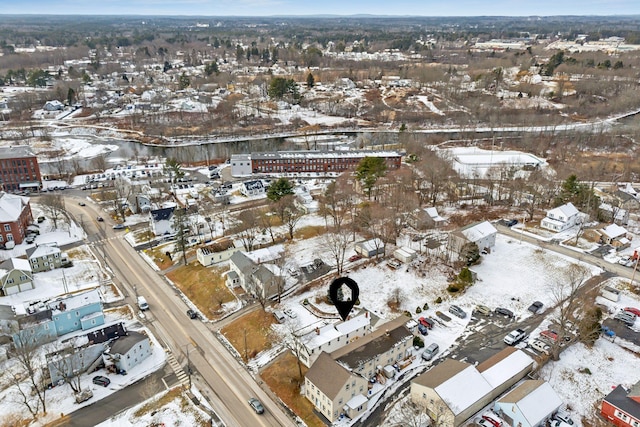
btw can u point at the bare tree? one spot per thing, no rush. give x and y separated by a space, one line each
566 296
289 338
288 212
247 229
53 206
338 201
68 363
180 225
122 191
30 366
337 243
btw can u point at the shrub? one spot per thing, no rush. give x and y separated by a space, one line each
438 300
418 342
425 306
418 310
407 313
453 287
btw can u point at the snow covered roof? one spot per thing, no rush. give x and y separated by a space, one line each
614 230
11 206
14 264
463 389
433 213
356 401
478 231
322 154
42 251
497 372
75 301
535 400
16 151
353 324
567 210
267 254
371 245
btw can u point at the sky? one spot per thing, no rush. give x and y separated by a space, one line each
334 7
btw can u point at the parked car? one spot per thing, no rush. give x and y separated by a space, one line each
625 260
118 227
484 423
494 422
483 309
626 317
394 264
632 310
292 314
535 307
423 329
558 423
426 322
82 204
256 405
514 337
540 346
563 417
504 312
30 238
510 222
100 380
192 314
355 257
457 311
431 350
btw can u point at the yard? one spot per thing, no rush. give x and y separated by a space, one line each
204 286
282 377
252 330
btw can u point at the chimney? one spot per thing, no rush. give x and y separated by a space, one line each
317 331
366 314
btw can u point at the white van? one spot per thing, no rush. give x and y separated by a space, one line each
142 303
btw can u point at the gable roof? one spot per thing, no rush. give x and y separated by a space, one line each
11 206
614 230
434 215
535 400
441 373
327 375
16 264
123 344
567 210
621 399
42 250
378 342
464 389
502 366
162 214
243 262
478 231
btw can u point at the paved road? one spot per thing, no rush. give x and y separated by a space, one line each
225 383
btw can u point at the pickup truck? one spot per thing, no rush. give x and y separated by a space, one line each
514 337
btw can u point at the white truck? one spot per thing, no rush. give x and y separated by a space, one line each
514 337
142 303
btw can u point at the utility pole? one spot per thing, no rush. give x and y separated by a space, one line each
189 365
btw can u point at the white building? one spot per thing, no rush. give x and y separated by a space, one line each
561 218
241 165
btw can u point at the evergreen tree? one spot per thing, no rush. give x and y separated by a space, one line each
279 189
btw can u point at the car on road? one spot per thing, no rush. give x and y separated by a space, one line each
457 311
256 405
100 219
192 314
119 227
625 260
632 310
355 257
82 204
514 337
535 307
510 222
504 312
100 380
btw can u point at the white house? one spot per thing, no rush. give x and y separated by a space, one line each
252 188
530 404
162 221
218 251
128 351
561 218
482 234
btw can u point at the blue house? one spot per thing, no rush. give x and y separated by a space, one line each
34 328
77 312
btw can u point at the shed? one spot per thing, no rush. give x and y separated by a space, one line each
610 293
405 255
370 248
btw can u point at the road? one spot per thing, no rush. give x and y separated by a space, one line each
225 383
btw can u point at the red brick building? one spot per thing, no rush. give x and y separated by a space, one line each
15 217
19 169
317 161
621 407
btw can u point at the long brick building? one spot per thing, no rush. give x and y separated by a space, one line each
19 169
300 162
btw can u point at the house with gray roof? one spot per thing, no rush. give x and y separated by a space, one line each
46 257
15 276
128 351
256 279
561 218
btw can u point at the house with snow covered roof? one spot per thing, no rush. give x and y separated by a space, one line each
426 218
15 276
614 235
15 217
46 257
454 391
331 337
482 234
613 214
530 404
161 221
561 218
370 248
622 406
76 312
128 351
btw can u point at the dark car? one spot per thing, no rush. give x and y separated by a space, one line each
511 222
457 311
192 314
100 219
535 307
423 329
100 380
256 405
504 312
82 204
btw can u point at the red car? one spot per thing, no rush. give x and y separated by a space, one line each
492 420
632 310
551 335
356 257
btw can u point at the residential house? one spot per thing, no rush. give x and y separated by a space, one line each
370 248
331 337
15 217
19 168
46 257
530 404
483 234
438 389
54 105
218 251
622 406
626 200
427 218
33 327
561 218
15 276
253 188
613 214
76 312
615 235
329 387
162 221
73 361
128 351
256 279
